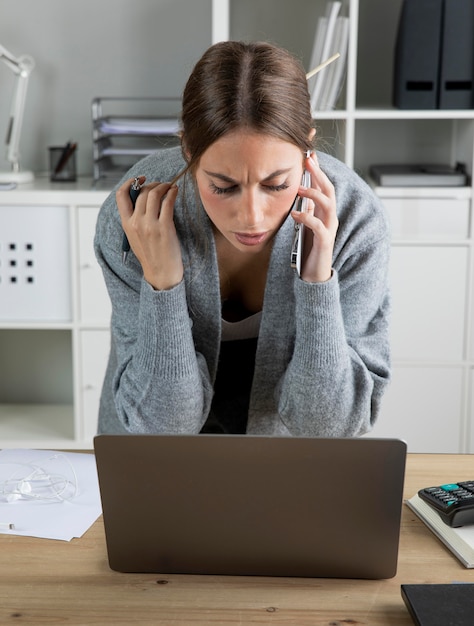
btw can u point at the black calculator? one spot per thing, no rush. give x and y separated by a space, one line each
454 502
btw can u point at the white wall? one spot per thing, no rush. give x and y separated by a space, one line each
93 48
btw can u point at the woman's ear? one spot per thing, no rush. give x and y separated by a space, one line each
186 153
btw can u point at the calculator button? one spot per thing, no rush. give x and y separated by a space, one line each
450 487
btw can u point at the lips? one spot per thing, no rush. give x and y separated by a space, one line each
250 239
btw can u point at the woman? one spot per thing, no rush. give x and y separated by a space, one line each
212 329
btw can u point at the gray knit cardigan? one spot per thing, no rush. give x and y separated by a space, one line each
322 361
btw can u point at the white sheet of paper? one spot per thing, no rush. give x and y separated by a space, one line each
51 518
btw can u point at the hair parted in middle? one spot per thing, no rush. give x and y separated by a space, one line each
250 86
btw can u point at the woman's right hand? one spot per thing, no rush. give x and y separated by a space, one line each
151 231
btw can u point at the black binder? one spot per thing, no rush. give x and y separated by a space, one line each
457 58
417 53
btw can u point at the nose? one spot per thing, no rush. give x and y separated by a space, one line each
252 211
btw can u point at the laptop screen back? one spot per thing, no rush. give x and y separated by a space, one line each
251 505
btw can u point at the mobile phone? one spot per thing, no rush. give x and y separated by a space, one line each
301 204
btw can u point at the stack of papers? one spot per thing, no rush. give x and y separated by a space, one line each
138 126
39 513
332 36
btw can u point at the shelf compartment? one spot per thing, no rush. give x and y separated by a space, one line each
24 424
36 385
437 141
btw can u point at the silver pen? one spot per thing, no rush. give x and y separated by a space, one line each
134 192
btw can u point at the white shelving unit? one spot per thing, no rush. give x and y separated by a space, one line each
51 372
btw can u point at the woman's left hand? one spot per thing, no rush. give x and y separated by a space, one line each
320 223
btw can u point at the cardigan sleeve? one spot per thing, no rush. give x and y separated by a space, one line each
341 363
340 367
156 381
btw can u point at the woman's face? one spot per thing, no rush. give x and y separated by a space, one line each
247 183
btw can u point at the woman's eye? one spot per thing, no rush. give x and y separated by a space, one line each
281 187
221 190
234 188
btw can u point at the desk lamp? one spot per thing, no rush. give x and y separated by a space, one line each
22 67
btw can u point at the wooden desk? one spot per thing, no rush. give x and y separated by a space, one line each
52 582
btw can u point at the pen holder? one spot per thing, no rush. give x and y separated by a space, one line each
62 163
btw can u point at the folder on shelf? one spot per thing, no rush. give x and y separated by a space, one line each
415 77
336 71
317 52
457 58
323 44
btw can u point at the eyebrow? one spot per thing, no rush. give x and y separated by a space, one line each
227 179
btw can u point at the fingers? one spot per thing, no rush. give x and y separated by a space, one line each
319 179
151 201
322 210
321 224
156 201
122 197
168 202
151 232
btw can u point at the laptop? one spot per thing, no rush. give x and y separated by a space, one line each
251 505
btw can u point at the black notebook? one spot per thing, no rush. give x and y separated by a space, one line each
440 605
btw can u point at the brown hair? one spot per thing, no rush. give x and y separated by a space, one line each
256 86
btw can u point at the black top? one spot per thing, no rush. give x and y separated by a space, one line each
230 404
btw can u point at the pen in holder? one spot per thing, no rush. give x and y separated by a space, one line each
62 162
